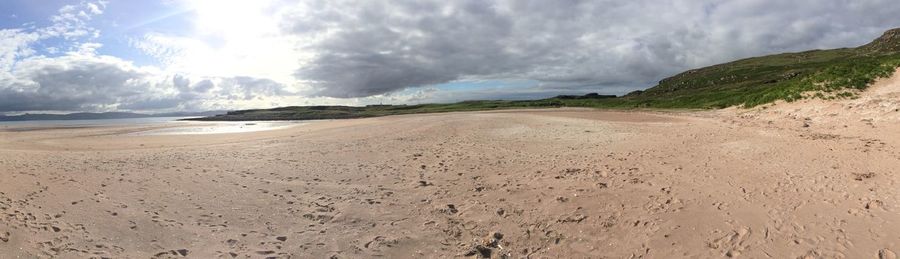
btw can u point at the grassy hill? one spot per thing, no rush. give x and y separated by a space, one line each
754 81
837 73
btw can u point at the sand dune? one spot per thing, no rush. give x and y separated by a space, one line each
565 183
878 104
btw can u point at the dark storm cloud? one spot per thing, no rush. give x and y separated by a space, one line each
375 47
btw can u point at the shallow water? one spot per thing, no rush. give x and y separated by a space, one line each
194 128
177 127
67 123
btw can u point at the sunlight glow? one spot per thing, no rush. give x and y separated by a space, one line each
232 38
231 17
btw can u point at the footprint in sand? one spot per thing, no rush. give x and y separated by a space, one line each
733 244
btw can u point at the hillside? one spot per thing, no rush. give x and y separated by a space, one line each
754 81
824 74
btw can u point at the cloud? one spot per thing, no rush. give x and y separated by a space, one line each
14 45
81 80
88 82
378 47
72 82
248 88
71 21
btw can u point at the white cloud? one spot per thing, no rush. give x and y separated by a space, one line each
71 21
84 81
14 44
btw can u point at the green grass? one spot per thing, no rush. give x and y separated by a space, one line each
762 80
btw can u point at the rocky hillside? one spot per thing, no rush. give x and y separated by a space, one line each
889 42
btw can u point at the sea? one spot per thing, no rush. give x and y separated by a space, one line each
102 122
178 127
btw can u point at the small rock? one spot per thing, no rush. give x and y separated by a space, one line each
482 251
182 252
886 254
452 209
863 176
281 238
498 235
874 204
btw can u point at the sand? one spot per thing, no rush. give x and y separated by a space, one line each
556 183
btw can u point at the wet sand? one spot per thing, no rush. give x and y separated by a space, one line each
559 183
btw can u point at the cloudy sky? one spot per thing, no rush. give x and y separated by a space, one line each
181 55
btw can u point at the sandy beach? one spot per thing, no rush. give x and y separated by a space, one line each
555 183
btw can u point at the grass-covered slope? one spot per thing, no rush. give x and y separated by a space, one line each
748 82
754 81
